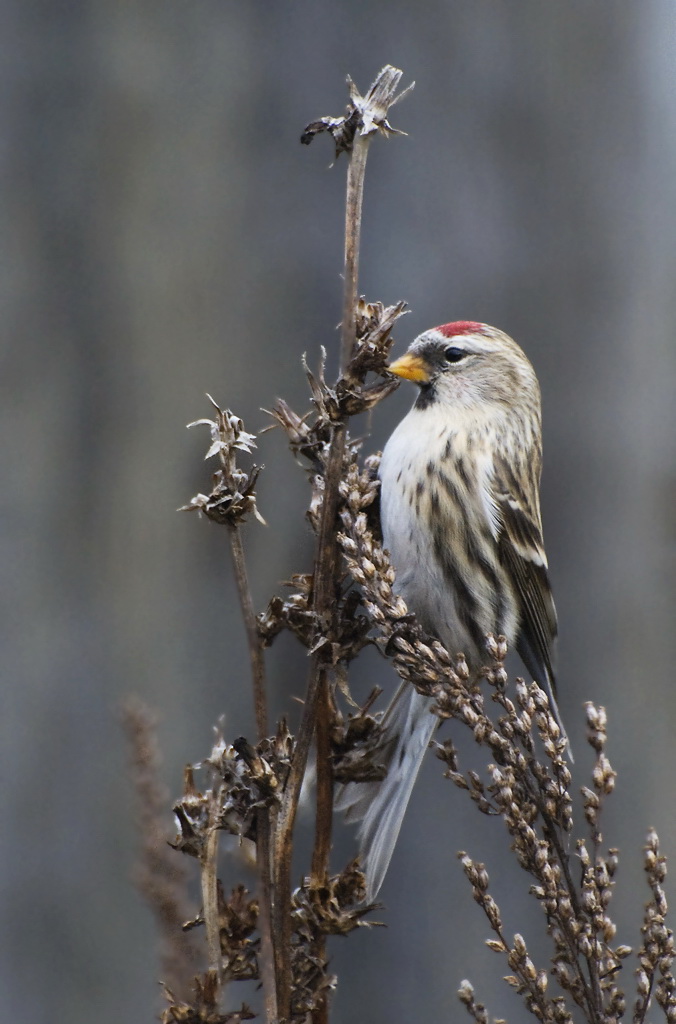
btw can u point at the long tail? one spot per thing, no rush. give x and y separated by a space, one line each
380 806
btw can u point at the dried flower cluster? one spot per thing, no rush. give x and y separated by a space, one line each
365 114
204 1007
243 778
655 972
232 496
531 795
334 907
237 923
310 435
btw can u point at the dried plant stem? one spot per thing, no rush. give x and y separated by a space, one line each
325 575
324 816
326 564
327 553
353 207
324 821
591 988
281 911
263 829
268 962
316 712
209 881
255 647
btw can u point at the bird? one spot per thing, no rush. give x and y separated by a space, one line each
460 516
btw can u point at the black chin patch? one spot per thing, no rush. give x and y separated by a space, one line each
426 397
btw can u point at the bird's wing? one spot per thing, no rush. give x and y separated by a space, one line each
522 553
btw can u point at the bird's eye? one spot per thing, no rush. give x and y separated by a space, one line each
454 355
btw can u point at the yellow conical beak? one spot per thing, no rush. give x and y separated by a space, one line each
410 367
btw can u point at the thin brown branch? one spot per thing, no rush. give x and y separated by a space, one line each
326 572
263 830
253 638
326 564
554 835
324 819
324 815
267 953
352 134
353 210
324 597
209 883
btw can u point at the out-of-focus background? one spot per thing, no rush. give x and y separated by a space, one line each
163 235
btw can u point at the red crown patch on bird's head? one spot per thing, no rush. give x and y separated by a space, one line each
459 327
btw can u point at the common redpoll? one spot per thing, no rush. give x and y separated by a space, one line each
460 514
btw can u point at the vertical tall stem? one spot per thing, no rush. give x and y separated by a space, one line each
324 816
353 206
255 647
316 719
268 958
324 819
263 828
316 711
209 880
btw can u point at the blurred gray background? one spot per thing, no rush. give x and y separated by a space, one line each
164 234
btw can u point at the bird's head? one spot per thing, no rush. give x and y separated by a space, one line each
468 364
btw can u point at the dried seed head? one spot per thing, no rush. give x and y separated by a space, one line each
232 496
